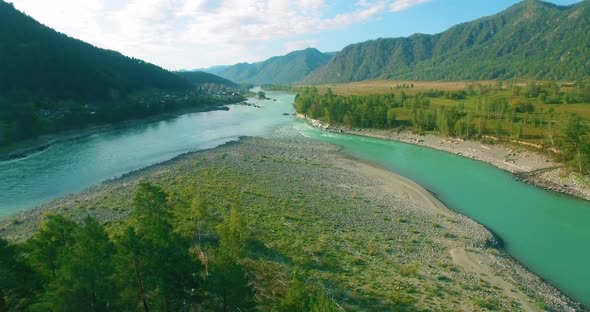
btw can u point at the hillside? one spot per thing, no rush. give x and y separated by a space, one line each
199 78
45 62
289 68
531 39
50 82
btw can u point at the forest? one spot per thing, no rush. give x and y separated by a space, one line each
546 114
173 253
530 39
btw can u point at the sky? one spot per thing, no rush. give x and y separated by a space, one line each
190 34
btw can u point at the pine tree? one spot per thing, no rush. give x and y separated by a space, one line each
153 265
46 247
18 282
83 278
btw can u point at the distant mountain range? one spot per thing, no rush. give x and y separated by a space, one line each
286 69
531 39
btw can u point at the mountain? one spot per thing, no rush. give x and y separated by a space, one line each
45 62
50 82
289 68
531 39
215 70
198 78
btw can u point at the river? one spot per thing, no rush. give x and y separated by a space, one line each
547 232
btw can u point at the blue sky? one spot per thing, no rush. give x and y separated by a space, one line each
188 34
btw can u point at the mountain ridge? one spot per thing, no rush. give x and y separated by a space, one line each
50 82
49 63
288 68
525 40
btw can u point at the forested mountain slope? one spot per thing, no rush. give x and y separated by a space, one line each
51 82
531 39
289 68
44 62
199 78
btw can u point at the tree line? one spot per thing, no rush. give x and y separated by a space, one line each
159 259
25 116
505 117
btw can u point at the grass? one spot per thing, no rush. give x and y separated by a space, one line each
369 253
389 86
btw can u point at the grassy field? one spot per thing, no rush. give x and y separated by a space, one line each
389 86
536 125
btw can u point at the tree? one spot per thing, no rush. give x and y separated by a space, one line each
193 218
132 270
227 279
83 278
46 247
233 234
152 262
574 142
149 200
150 203
18 282
229 285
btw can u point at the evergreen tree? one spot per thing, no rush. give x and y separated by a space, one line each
153 265
83 277
233 234
56 235
18 282
228 285
227 280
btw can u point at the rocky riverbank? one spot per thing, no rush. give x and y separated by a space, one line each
381 240
527 165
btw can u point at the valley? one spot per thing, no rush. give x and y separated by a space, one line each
344 162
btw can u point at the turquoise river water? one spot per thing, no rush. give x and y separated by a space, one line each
548 232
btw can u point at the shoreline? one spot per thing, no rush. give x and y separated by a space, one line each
43 142
527 166
377 184
516 270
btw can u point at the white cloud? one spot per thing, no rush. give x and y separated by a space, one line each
191 7
400 5
177 33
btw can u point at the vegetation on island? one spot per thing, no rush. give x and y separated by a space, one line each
311 243
546 114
